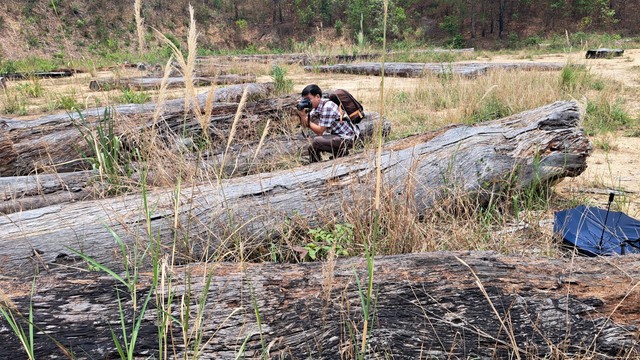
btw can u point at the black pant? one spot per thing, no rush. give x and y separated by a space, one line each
332 144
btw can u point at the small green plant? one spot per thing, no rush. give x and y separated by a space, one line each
134 97
242 23
13 104
282 84
107 154
490 109
604 116
32 89
603 144
573 78
8 67
68 102
339 239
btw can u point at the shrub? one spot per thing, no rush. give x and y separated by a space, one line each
67 102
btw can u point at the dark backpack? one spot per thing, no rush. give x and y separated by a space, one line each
348 105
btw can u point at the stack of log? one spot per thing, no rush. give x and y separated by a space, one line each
306 59
541 145
153 83
41 163
456 305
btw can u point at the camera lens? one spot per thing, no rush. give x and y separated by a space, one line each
304 104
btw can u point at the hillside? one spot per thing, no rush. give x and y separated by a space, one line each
70 29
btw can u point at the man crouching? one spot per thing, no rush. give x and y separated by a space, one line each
334 134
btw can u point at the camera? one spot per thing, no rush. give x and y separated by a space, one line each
304 104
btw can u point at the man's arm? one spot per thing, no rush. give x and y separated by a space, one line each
304 120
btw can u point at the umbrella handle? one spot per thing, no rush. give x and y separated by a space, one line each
604 226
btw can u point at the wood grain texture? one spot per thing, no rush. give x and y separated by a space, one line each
427 305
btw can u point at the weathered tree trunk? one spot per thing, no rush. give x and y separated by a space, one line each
151 83
40 74
55 140
435 305
305 59
535 147
421 69
20 193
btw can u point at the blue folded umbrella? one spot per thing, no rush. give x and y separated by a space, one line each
595 232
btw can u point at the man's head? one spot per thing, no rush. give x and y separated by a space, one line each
313 93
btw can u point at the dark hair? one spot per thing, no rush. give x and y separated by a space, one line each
312 89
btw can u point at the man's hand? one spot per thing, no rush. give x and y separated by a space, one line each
304 118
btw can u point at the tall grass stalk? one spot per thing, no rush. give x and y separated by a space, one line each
187 67
232 132
139 25
370 253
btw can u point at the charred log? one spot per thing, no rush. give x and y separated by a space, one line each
446 305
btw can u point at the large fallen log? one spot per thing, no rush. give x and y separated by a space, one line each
153 83
20 193
401 69
306 59
41 74
532 148
55 140
435 305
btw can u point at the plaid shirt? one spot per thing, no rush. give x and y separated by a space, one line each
327 114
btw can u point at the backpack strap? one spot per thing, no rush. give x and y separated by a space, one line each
356 113
340 109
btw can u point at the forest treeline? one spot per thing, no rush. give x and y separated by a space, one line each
53 26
